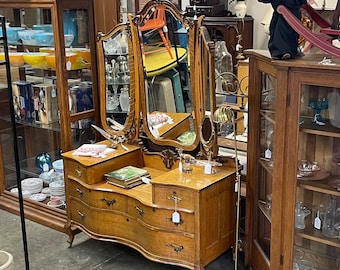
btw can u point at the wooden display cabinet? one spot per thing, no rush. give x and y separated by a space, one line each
72 128
285 129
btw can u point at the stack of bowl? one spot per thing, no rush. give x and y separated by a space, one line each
57 188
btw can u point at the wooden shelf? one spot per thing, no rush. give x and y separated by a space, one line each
319 186
264 163
326 130
316 235
266 212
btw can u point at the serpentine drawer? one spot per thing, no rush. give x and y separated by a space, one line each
98 199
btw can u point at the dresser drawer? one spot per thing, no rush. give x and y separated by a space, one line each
97 221
161 218
166 196
94 172
98 199
172 247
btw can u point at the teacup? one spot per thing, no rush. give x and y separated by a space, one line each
55 200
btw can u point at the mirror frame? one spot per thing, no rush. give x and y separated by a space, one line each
192 26
130 130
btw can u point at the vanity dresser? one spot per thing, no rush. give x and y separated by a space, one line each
174 217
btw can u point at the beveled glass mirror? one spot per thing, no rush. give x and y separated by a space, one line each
170 102
117 80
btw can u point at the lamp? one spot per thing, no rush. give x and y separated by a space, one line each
223 115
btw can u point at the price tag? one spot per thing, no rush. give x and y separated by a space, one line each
175 217
68 65
236 186
207 169
180 166
268 154
54 92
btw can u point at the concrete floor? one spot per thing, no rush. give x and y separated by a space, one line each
48 249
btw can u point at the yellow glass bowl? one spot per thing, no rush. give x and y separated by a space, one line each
35 59
15 58
69 57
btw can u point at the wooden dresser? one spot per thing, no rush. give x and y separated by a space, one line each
141 217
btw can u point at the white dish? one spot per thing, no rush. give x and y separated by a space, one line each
25 193
38 197
56 205
46 191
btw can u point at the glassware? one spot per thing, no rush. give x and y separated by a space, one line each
300 214
331 224
124 99
318 105
223 60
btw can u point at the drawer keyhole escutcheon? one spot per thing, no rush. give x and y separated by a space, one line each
176 248
108 201
80 192
82 215
140 211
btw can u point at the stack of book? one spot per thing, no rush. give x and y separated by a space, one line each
126 177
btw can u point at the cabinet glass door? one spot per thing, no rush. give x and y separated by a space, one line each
51 48
317 205
265 163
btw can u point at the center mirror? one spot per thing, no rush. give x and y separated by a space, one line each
168 98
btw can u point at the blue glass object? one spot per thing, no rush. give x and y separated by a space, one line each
41 159
318 105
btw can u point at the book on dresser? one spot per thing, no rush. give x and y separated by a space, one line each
126 177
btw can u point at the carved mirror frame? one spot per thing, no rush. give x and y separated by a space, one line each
130 127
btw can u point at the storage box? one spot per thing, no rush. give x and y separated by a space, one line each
22 100
45 103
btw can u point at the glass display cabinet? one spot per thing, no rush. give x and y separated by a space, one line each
293 163
53 71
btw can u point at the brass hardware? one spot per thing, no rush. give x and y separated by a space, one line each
174 198
80 192
140 211
79 173
175 247
176 223
108 202
82 215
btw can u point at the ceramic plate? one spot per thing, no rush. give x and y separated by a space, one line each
319 176
335 183
38 197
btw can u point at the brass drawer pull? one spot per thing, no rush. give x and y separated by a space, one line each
108 201
176 223
82 215
80 192
174 198
79 173
140 211
175 247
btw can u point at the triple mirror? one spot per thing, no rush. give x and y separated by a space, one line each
150 65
